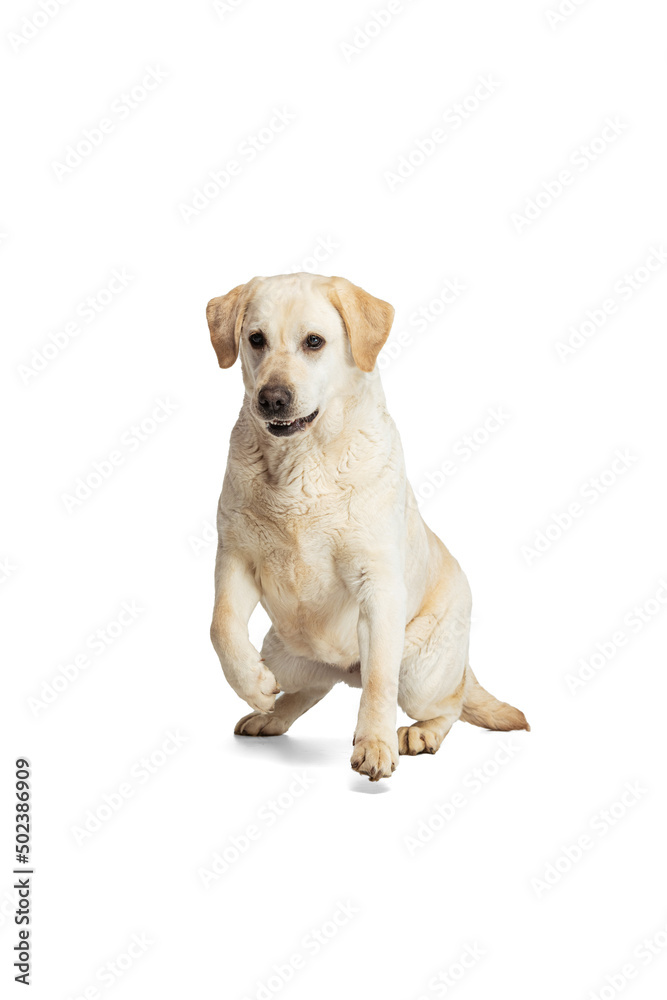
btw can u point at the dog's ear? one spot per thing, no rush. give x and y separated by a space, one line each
225 319
367 320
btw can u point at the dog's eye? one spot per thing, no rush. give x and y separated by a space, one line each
313 342
257 339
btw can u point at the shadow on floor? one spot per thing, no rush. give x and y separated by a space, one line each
325 752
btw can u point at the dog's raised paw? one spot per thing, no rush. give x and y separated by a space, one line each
375 758
259 689
260 724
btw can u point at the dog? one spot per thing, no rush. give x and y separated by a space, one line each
318 523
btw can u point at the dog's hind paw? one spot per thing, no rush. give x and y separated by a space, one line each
260 724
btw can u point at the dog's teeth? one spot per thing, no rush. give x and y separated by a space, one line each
299 423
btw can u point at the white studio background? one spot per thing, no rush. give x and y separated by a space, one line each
530 232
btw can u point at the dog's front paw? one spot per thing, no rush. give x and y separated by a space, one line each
260 724
259 689
375 757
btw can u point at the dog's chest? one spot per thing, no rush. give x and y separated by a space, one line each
296 556
306 532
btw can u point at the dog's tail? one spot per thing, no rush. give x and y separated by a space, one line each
482 709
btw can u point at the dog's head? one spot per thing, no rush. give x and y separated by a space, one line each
303 339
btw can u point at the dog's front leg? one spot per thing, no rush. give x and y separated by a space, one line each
381 635
236 597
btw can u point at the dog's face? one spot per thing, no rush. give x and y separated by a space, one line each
294 353
303 339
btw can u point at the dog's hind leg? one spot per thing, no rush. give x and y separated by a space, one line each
288 709
426 736
303 682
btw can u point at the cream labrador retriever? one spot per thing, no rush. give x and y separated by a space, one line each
318 523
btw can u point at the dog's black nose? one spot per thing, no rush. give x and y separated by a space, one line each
274 400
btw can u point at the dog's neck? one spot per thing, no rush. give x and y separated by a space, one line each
349 430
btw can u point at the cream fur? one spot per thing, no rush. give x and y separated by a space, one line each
322 528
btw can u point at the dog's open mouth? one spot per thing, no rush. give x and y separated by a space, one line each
283 428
